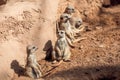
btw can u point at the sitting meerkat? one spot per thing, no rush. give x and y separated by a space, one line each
62 50
32 67
77 24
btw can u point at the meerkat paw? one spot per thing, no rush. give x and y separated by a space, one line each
54 62
66 60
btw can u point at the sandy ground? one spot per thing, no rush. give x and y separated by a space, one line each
97 57
27 22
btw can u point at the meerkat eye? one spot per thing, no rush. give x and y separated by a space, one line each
66 16
61 32
34 47
61 18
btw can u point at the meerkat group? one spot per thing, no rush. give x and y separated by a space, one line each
67 29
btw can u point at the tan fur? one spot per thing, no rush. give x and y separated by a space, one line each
62 50
66 26
33 69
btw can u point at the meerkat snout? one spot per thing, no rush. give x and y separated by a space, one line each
31 48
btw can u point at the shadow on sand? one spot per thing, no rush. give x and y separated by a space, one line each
88 73
17 68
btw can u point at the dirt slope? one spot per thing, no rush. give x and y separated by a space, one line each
21 24
97 57
33 22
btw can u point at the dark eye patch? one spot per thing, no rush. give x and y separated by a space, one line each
69 8
34 47
61 32
66 16
61 18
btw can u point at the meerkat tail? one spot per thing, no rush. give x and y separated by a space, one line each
69 42
79 39
82 28
57 64
47 73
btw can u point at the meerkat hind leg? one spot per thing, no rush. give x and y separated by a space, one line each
67 55
38 73
29 73
54 57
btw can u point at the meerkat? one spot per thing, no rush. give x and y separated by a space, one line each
79 25
69 10
62 50
76 24
75 21
33 69
66 26
59 28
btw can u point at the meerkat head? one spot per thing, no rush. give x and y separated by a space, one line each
64 17
69 9
78 22
61 33
31 49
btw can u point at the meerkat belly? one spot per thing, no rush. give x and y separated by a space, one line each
63 26
62 44
69 26
31 60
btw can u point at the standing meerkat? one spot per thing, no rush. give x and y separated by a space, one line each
74 21
69 10
66 26
62 50
33 69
